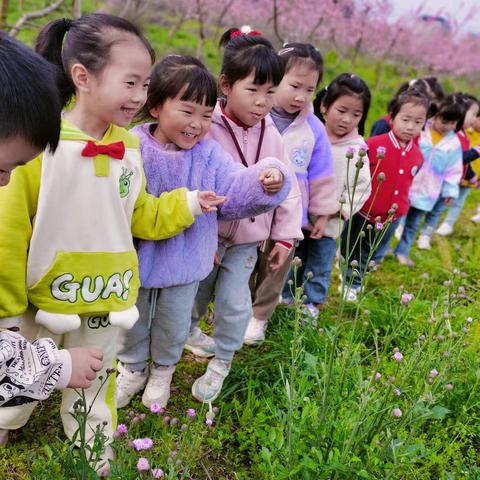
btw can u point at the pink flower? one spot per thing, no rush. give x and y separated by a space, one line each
396 412
157 473
142 444
379 226
143 465
406 298
381 152
398 356
397 392
350 152
191 413
209 422
122 429
433 373
469 320
378 376
156 408
449 386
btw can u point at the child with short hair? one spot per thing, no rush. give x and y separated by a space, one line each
251 72
310 157
29 98
394 161
439 176
181 97
68 249
474 137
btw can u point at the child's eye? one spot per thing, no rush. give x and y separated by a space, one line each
252 89
293 86
186 111
271 92
131 84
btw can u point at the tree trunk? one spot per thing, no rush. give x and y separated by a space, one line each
77 8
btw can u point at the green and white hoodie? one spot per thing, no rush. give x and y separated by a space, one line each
66 225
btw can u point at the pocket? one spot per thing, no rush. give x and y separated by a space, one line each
88 283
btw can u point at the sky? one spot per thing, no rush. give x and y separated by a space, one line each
456 8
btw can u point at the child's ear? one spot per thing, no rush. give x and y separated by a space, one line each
81 77
154 112
225 87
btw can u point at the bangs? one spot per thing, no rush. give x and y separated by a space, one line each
201 88
268 66
452 113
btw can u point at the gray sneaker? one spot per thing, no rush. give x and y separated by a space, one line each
207 388
200 344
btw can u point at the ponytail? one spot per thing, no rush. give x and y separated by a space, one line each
49 45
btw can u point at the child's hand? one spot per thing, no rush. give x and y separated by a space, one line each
319 227
277 257
86 362
272 180
217 260
208 201
448 200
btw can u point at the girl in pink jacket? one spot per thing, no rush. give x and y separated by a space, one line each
251 72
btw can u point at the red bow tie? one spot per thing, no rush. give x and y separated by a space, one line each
114 150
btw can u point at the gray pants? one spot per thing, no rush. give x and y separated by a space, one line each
228 282
162 329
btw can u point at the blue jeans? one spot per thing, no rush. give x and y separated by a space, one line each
412 224
317 256
228 283
361 250
432 218
457 206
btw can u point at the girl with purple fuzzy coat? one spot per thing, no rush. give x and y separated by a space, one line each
181 98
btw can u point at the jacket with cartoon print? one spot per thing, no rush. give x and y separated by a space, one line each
440 173
66 225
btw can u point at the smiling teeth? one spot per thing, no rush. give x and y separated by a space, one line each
189 134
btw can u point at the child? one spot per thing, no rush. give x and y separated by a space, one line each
396 158
28 98
75 263
474 137
429 86
343 107
251 71
439 175
181 98
469 178
309 153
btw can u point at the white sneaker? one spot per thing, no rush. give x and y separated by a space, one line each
128 384
207 388
423 242
350 295
311 310
404 260
444 230
255 331
476 218
200 344
158 386
399 231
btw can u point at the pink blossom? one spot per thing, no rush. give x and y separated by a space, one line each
398 356
379 226
191 413
209 422
397 392
469 320
122 429
449 386
433 373
381 151
156 408
406 298
350 152
396 412
142 444
157 473
378 376
143 465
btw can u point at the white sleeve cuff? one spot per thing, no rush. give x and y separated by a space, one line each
66 361
193 203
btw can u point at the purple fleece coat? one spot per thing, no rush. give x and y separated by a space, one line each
188 257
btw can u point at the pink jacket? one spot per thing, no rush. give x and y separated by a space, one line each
284 222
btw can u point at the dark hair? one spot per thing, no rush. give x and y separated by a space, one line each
293 54
247 53
467 99
429 86
412 95
30 104
171 75
453 109
88 42
344 84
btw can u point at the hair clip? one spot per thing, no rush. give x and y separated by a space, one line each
283 51
412 82
352 76
237 33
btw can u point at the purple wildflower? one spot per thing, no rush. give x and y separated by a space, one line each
433 373
122 429
406 298
143 465
191 413
157 473
396 412
398 356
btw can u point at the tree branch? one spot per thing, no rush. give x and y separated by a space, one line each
31 15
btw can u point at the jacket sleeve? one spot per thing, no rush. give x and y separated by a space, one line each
287 219
30 371
321 178
452 176
163 217
380 127
245 196
18 206
470 155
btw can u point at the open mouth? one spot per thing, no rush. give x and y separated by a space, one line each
129 111
189 135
